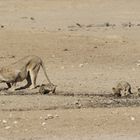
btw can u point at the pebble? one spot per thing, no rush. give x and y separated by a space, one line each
4 121
138 64
79 106
81 65
2 26
65 50
7 127
56 115
32 18
43 123
76 102
50 116
132 118
15 122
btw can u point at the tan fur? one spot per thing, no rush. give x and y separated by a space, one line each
26 68
123 88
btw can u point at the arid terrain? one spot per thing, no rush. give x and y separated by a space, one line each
87 47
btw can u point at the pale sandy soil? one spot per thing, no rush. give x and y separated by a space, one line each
82 55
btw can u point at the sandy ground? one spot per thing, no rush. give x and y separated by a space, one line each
87 46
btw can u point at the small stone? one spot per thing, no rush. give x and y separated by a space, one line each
76 103
50 116
2 26
107 24
7 127
79 25
56 115
81 65
4 121
79 106
15 122
43 123
138 64
65 50
32 18
132 118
